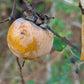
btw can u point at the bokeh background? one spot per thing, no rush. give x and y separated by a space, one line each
56 67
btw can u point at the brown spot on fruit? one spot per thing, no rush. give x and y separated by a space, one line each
22 33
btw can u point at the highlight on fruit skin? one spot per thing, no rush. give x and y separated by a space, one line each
28 41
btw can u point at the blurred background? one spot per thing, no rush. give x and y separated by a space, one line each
58 67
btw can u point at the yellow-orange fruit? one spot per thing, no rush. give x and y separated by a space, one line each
82 38
28 41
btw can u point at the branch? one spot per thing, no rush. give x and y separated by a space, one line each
29 7
65 40
5 20
12 16
20 70
81 5
72 52
13 10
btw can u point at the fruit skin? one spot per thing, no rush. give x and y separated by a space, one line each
28 41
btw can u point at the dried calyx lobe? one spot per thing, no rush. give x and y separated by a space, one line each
41 19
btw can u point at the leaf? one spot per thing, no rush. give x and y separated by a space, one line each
67 8
76 52
69 32
30 1
30 82
62 26
57 79
58 44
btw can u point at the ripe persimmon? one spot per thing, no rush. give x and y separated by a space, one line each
28 41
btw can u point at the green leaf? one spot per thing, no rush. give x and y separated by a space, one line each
69 32
30 1
67 8
65 82
80 18
76 52
40 8
59 45
62 26
0 7
30 82
57 79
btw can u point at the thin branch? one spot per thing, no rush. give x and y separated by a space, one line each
20 70
5 20
13 10
65 40
81 5
72 52
29 7
81 63
12 16
35 14
23 64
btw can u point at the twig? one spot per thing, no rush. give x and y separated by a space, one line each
20 70
42 66
5 20
13 10
72 53
23 64
81 63
75 76
81 5
12 16
65 40
35 14
29 7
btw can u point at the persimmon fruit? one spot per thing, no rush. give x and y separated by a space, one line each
29 41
